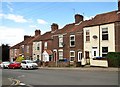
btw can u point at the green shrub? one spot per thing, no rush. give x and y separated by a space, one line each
113 59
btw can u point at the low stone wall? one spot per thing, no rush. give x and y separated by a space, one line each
101 63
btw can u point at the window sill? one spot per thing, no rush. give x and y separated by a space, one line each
72 46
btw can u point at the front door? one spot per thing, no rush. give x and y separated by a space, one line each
79 56
87 57
94 52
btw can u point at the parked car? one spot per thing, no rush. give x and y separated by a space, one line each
14 65
28 64
4 64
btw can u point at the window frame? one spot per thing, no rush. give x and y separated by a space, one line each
60 40
87 35
104 53
104 33
72 41
72 56
60 55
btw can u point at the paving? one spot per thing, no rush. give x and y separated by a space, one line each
83 68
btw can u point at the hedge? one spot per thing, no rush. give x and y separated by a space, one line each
113 59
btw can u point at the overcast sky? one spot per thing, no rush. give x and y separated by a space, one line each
23 18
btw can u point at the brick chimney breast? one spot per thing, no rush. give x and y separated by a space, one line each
78 18
26 37
54 27
37 32
118 5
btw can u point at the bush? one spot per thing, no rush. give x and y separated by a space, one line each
113 59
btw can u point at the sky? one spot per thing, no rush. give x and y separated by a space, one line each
23 18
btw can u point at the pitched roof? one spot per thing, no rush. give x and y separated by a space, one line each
34 39
17 45
104 18
45 36
27 40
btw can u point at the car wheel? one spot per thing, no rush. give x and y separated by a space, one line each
21 68
26 67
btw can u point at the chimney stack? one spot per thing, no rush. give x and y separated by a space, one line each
26 37
54 27
118 5
37 32
78 18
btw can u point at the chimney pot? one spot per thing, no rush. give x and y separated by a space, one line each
78 18
37 32
54 27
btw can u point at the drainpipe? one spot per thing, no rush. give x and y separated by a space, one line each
99 41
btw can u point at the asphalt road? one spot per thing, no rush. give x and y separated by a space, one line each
60 77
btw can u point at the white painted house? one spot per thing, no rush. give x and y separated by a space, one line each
47 55
37 50
100 38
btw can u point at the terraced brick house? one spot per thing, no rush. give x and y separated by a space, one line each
23 48
42 46
67 42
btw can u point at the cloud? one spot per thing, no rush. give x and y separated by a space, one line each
40 21
9 6
87 18
15 18
11 35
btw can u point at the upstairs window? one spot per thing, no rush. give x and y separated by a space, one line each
45 45
72 40
104 33
38 48
60 40
22 48
104 51
27 49
87 35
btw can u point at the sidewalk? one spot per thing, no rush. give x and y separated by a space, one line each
82 68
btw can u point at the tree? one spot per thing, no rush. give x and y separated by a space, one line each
19 59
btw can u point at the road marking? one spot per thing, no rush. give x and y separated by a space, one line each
22 84
21 76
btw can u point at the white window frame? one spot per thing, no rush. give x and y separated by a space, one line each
45 45
79 56
60 40
103 29
72 56
87 35
72 40
38 46
60 55
104 52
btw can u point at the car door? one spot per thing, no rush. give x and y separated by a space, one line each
23 64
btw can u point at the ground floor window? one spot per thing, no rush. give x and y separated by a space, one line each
104 51
60 54
72 55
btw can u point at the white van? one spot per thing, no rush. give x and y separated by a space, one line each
28 64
